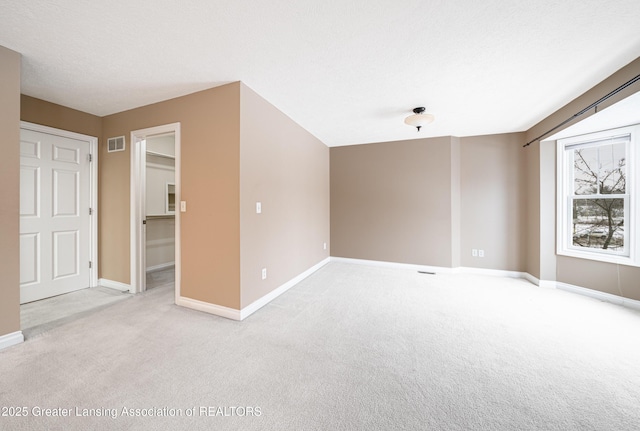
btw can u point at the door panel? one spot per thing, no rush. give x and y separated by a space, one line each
66 185
65 254
29 191
54 215
29 258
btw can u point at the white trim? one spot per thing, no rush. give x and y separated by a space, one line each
178 217
259 303
114 285
602 296
137 201
137 206
218 310
11 339
436 269
531 279
564 192
232 313
548 284
160 266
396 265
491 272
93 188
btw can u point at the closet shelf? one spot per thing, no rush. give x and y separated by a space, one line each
159 216
153 153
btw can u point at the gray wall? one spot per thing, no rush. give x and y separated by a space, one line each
493 196
430 201
392 202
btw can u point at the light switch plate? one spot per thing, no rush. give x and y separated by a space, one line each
258 207
183 206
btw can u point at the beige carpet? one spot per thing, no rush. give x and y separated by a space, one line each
350 348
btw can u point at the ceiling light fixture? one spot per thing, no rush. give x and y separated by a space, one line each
419 118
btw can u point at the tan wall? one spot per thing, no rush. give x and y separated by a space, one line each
210 229
10 191
392 202
605 277
286 169
493 199
60 117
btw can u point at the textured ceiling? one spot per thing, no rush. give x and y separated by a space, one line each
347 71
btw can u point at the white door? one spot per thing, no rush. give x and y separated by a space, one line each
54 215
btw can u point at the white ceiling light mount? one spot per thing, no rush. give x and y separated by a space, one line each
419 118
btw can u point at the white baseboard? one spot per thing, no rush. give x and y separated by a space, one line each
436 269
491 272
161 266
548 284
232 313
114 284
256 305
607 297
602 296
396 265
11 339
218 310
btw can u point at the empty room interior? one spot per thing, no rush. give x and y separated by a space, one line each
320 215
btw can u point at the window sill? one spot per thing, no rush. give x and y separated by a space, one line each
618 260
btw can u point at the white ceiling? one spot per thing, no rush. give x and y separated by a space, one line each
348 71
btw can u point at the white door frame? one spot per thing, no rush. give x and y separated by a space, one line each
93 188
138 203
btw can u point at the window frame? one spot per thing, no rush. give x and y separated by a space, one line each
565 196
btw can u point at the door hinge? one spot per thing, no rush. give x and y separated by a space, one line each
90 264
90 211
90 158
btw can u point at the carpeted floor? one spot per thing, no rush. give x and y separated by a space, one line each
350 348
161 277
42 316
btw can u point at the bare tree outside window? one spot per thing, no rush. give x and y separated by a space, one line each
599 197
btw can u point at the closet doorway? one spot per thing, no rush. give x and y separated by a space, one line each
155 215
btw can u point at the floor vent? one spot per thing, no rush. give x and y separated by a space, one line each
115 144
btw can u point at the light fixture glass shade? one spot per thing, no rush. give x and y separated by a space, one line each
419 120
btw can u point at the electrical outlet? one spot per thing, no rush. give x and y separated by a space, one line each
480 253
324 246
474 252
264 273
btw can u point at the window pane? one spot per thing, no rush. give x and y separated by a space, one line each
612 168
585 175
598 223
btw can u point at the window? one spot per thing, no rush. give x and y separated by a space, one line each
597 196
